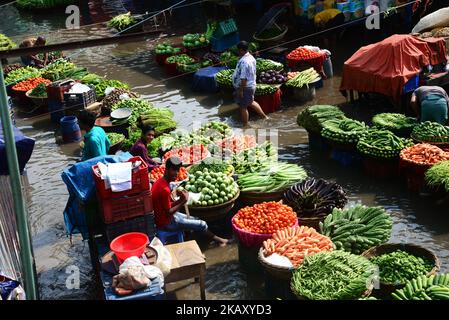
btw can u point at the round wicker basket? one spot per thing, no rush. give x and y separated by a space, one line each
251 198
388 288
212 213
279 272
38 101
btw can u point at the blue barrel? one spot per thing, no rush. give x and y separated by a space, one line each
70 129
56 110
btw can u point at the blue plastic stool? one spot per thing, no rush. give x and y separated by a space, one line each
165 235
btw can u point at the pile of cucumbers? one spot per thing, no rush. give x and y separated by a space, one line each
312 117
358 228
384 144
434 287
430 132
343 131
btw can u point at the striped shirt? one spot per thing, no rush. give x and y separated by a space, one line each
246 69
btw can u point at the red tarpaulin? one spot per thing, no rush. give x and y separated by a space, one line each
385 67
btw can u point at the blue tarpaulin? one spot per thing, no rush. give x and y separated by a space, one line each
80 183
204 79
24 146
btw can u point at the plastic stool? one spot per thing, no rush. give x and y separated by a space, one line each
165 235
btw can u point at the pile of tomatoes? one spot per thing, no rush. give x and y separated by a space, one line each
30 84
303 54
265 218
159 172
238 143
189 155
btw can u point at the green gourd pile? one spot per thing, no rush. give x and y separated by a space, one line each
313 117
430 132
394 122
382 144
357 229
343 131
434 287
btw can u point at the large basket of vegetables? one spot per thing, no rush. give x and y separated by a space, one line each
253 225
305 55
38 95
335 275
19 91
269 182
343 134
288 247
437 177
165 50
313 199
432 133
397 123
171 63
401 262
416 160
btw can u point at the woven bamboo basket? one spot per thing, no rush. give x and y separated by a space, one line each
414 174
213 213
388 288
278 272
251 198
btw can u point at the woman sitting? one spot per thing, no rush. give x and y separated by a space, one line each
140 147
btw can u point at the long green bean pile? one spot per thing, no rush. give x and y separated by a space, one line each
335 275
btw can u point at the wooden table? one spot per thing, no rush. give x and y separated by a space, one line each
188 262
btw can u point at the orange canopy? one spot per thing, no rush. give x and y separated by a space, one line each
386 66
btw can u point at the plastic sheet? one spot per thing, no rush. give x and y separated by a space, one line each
24 146
204 79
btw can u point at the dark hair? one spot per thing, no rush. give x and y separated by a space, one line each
146 129
41 39
243 45
173 163
88 118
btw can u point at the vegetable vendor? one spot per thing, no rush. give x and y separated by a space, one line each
140 147
244 82
33 60
166 212
96 142
431 103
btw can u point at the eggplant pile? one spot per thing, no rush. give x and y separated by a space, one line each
315 197
273 77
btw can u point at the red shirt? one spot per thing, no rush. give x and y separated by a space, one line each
161 195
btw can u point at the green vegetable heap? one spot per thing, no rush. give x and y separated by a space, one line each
215 187
160 118
104 84
154 146
134 134
313 117
39 91
224 78
303 78
343 131
6 43
267 65
272 177
115 138
62 69
137 106
180 59
265 89
229 59
195 40
335 275
434 287
21 74
166 49
42 4
122 21
382 144
252 159
215 131
213 165
92 79
438 175
430 132
398 267
192 67
357 229
395 122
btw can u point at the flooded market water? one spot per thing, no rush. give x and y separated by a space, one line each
417 219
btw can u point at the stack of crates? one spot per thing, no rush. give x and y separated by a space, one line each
225 36
127 211
75 102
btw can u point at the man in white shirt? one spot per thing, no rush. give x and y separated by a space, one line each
244 81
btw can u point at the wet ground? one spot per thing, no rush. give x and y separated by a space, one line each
417 219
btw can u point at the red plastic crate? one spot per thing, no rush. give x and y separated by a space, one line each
140 181
123 208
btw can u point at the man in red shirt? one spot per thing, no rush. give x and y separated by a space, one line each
166 212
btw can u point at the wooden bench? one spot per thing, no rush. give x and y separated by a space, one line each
188 262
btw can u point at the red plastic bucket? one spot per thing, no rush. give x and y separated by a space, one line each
129 245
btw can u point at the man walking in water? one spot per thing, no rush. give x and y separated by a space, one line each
244 81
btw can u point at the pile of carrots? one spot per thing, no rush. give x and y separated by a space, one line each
265 218
297 242
238 143
424 154
303 54
30 84
159 172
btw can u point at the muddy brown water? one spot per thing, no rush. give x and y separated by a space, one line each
417 219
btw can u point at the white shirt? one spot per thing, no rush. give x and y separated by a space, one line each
246 69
